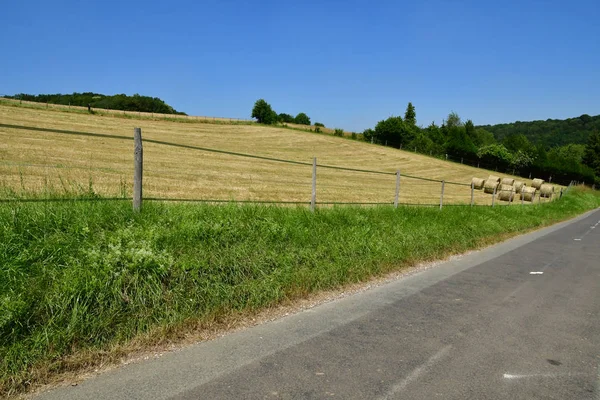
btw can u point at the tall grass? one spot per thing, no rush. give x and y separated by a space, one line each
83 276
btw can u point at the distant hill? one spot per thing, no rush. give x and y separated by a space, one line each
97 100
551 132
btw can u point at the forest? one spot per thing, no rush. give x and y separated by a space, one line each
551 132
121 102
556 150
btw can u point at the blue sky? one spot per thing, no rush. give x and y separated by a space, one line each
344 63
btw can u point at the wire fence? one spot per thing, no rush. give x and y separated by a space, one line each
178 172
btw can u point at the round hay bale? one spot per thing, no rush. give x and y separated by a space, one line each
519 186
508 181
528 193
506 188
491 183
506 195
537 183
546 190
478 183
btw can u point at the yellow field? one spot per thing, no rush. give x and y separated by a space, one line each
37 159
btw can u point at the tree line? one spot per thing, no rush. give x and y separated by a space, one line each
511 151
551 132
556 150
264 114
120 102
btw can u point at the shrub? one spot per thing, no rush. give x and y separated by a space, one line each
302 119
319 124
338 132
283 117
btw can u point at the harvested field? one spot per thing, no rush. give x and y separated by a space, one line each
48 149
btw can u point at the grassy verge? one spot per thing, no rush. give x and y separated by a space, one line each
82 277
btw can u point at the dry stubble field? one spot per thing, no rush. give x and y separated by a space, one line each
38 159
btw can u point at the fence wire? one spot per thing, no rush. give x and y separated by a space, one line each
289 183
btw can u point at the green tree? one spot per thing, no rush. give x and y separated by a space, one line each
410 115
453 120
368 135
302 119
495 155
483 138
570 153
521 159
263 112
393 131
516 142
422 143
459 144
591 156
287 118
435 134
470 130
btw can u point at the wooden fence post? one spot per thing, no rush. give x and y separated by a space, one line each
494 197
522 197
397 189
442 195
472 194
313 199
138 159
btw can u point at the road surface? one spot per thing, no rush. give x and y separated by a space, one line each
519 320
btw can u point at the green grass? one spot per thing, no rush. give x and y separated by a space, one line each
84 276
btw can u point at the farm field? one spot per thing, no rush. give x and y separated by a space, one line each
44 150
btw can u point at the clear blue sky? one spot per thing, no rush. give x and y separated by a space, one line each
345 63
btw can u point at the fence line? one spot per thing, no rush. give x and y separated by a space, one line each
395 192
313 201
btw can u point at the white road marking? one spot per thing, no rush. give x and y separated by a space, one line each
527 376
416 373
577 240
536 272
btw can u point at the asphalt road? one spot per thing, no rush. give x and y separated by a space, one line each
479 327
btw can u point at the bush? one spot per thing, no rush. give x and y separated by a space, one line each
354 136
338 132
302 119
283 117
319 124
317 129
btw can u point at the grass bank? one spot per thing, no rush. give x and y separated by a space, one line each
82 277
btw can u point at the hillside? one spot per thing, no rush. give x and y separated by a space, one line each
43 150
551 132
121 102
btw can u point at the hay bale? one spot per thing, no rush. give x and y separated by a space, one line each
528 193
537 183
546 190
506 188
491 183
478 183
506 195
519 186
508 181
